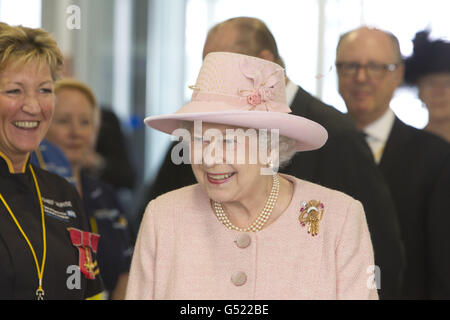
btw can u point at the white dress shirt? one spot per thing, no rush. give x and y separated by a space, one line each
291 91
377 133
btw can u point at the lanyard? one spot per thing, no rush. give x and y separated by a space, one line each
40 270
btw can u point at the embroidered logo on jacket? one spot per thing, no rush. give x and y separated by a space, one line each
61 210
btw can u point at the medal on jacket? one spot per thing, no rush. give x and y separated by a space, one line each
310 215
85 242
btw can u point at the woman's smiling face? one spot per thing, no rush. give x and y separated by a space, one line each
26 108
226 179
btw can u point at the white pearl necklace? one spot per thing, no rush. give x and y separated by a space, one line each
263 216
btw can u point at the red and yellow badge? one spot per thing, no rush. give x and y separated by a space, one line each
310 214
85 242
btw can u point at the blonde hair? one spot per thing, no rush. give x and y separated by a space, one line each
79 86
20 44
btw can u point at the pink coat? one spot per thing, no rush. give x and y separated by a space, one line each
184 252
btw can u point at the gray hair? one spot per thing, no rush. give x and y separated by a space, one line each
286 150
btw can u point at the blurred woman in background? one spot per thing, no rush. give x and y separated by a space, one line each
74 130
428 68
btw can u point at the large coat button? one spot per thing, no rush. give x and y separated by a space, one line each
243 241
239 278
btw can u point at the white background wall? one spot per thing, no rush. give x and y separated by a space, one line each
142 66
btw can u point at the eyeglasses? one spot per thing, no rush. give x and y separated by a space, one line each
373 70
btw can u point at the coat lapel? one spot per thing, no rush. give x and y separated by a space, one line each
301 103
398 139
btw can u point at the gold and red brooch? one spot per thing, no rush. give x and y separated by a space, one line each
310 215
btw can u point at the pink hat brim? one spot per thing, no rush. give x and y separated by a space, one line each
308 134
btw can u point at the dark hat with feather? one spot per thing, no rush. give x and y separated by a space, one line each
428 57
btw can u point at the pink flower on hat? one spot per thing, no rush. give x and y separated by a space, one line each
254 98
264 81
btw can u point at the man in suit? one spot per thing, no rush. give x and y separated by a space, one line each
344 163
415 163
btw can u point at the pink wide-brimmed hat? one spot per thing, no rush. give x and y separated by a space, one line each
243 91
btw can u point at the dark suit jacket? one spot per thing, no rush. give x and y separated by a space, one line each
416 165
345 163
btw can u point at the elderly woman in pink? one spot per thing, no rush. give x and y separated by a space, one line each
244 231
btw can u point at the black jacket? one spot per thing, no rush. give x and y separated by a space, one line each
416 165
62 209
